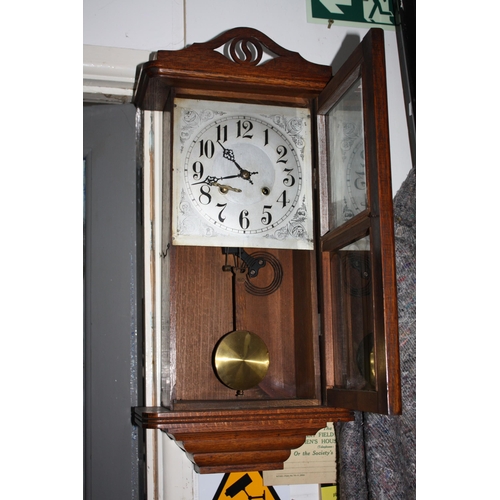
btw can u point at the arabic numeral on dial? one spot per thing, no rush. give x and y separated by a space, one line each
282 151
266 137
266 220
222 206
289 180
283 199
207 148
197 170
244 220
205 196
243 129
221 133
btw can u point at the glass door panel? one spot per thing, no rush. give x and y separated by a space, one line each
359 302
354 341
346 162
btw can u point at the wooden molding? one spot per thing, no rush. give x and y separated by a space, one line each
109 73
252 64
239 440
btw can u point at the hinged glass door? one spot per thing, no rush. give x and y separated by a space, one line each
357 236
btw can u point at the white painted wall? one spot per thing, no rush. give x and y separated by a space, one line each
134 24
151 25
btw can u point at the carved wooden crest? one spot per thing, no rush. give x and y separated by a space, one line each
241 60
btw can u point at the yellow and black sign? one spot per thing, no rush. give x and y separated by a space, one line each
328 492
244 486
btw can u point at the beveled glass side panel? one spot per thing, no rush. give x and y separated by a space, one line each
355 336
346 162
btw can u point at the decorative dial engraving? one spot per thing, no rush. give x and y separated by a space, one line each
240 172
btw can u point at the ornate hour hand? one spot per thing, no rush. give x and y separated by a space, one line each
209 179
228 154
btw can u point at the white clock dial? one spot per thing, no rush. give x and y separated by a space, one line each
241 175
239 186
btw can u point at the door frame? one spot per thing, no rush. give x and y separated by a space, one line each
109 73
109 76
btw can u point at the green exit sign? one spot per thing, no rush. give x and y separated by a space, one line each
352 12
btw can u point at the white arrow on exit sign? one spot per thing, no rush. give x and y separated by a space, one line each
331 5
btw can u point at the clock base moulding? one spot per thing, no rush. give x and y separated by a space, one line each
236 440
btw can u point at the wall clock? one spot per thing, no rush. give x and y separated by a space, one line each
279 292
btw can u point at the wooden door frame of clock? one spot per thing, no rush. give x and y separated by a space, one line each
151 135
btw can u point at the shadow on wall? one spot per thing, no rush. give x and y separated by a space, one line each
351 41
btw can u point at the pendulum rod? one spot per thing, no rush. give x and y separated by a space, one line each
239 297
243 265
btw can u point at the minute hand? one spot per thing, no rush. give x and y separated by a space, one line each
228 154
229 177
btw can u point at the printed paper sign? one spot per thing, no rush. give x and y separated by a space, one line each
313 463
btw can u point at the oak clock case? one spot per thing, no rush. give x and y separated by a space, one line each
251 277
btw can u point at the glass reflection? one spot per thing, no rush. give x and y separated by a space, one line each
355 317
348 193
